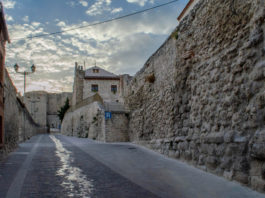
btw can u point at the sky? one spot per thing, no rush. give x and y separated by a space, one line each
121 46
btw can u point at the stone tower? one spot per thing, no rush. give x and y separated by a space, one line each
78 84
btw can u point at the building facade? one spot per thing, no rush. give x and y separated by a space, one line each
4 37
109 86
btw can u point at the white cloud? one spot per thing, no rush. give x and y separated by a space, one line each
99 7
9 4
140 2
83 3
25 18
121 46
9 18
116 10
80 2
61 24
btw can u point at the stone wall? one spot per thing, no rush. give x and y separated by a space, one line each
18 123
87 120
55 102
44 106
116 128
36 103
201 97
78 84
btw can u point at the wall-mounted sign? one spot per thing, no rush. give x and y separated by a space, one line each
107 115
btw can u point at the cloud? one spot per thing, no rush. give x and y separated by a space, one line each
116 10
61 24
99 7
80 2
9 18
9 4
83 3
25 18
121 46
140 2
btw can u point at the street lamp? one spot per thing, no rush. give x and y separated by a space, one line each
25 73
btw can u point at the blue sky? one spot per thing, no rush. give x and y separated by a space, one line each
121 46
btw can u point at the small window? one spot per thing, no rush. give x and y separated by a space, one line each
114 88
95 70
94 88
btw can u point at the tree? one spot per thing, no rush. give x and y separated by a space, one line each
63 109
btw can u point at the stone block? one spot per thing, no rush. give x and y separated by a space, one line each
240 139
183 146
228 136
258 151
256 167
171 154
211 162
257 146
177 154
241 177
226 163
201 160
216 138
228 175
180 139
257 183
241 164
188 155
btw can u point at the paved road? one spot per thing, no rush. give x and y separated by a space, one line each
58 166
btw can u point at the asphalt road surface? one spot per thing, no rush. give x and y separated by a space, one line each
56 166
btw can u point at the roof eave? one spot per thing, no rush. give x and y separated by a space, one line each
185 10
101 78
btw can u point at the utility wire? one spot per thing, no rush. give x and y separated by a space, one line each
97 23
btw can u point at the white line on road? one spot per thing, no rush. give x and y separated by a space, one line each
71 174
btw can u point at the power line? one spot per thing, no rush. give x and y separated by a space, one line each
97 23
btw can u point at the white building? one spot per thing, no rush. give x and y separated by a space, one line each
94 80
106 84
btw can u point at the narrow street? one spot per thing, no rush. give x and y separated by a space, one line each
59 166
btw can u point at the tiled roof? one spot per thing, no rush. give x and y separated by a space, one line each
89 73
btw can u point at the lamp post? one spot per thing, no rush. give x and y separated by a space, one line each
25 73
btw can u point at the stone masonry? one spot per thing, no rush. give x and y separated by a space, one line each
87 120
44 106
201 96
19 125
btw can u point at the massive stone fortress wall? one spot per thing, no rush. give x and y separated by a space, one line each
19 125
44 106
36 103
201 96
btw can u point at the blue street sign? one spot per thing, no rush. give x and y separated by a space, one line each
107 115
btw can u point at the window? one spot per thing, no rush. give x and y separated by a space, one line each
94 88
114 88
95 70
